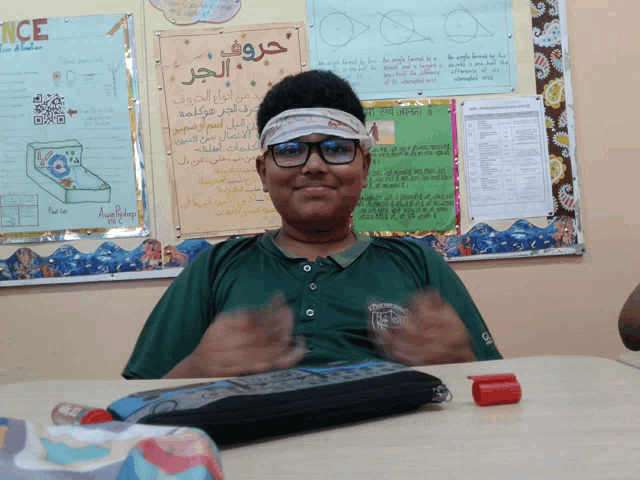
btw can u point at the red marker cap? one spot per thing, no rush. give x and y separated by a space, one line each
71 414
97 415
497 389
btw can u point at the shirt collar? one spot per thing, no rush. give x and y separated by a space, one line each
344 258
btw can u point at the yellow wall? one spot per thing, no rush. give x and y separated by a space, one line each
535 306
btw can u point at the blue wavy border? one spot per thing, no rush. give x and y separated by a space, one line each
67 261
482 239
180 255
521 236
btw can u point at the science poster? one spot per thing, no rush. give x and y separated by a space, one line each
70 161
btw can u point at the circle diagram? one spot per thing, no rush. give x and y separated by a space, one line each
460 26
336 29
396 27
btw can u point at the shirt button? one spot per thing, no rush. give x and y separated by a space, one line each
310 313
313 286
307 268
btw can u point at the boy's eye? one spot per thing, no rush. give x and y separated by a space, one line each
290 148
337 146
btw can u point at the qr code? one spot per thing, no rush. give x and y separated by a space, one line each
48 109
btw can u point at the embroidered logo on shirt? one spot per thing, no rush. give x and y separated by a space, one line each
386 315
487 338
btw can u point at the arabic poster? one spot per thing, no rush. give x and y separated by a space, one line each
213 84
409 48
194 11
70 163
506 158
411 183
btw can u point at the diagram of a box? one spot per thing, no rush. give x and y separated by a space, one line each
57 168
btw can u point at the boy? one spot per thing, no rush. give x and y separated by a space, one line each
312 292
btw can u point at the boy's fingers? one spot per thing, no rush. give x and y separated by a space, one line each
433 300
426 303
294 355
275 303
274 322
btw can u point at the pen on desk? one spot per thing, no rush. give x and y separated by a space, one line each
71 414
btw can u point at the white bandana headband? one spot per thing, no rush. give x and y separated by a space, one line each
298 122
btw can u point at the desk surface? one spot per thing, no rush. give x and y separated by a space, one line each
630 358
578 418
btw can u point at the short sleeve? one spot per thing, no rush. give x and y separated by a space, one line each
178 321
442 277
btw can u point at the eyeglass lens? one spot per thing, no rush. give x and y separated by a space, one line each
335 150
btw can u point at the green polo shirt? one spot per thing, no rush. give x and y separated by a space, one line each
336 300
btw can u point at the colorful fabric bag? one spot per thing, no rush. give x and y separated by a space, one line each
105 451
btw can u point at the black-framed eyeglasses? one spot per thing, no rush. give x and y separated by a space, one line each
334 151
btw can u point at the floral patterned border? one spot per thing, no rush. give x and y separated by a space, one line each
550 83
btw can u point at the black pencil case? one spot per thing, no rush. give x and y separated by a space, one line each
254 407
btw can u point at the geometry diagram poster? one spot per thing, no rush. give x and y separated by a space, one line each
409 48
212 83
70 162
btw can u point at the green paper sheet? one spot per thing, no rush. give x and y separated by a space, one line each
410 184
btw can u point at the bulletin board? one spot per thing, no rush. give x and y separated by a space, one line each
420 65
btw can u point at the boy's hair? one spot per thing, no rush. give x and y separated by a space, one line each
315 88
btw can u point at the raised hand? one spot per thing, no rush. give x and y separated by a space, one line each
434 334
244 342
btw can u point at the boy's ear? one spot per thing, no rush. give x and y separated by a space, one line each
366 164
261 168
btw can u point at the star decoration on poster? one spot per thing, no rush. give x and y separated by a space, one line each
289 35
239 67
253 83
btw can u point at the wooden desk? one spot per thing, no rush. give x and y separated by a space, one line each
578 418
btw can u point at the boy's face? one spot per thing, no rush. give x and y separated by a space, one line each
316 196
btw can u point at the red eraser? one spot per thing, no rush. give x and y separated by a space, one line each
496 389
